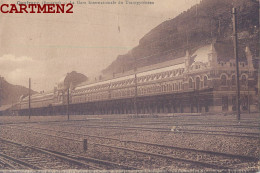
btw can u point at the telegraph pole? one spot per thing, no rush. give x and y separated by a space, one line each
29 98
68 103
248 93
234 12
135 98
0 90
135 102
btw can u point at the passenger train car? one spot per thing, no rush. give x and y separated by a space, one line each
198 82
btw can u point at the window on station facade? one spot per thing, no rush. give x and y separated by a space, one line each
223 80
233 80
170 87
243 80
197 83
205 81
164 88
224 103
190 83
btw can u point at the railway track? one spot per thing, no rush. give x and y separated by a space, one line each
169 129
164 120
6 164
167 122
192 157
233 124
159 129
31 157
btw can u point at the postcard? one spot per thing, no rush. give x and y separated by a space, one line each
129 86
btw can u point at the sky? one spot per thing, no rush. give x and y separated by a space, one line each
45 47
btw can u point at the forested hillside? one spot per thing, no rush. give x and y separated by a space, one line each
207 21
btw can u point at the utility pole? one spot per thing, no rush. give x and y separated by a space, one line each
187 40
29 98
135 101
135 98
68 103
234 12
248 93
219 27
0 90
12 108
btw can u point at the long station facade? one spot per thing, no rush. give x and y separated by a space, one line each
199 82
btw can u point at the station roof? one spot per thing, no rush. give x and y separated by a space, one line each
201 54
5 107
152 69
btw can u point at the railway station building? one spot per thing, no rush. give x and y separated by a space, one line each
204 80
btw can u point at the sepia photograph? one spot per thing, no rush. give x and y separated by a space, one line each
129 86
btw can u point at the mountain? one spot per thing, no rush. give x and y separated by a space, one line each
73 79
202 23
11 93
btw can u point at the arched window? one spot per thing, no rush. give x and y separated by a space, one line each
223 80
168 87
243 80
205 81
164 88
190 83
197 83
233 80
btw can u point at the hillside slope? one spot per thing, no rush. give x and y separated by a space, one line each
211 19
11 93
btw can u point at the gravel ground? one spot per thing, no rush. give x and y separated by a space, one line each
224 144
